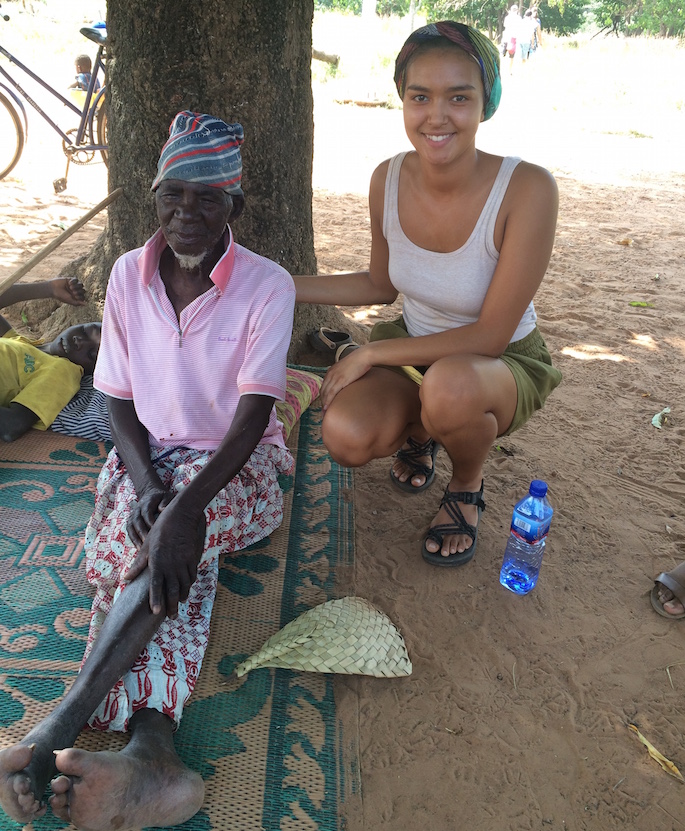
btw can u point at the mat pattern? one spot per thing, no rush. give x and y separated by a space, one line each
267 745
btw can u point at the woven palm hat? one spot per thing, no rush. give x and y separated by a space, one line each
348 636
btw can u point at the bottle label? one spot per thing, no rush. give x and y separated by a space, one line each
529 530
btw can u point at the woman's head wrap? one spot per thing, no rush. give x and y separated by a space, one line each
475 44
203 149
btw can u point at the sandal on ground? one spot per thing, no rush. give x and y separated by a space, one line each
458 526
340 351
328 340
675 581
410 457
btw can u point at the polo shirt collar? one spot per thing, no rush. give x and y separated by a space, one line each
148 261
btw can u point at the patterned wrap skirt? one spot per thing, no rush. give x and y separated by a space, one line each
247 510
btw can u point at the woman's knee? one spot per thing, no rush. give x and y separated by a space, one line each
346 439
450 392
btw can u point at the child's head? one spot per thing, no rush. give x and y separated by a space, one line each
79 343
83 64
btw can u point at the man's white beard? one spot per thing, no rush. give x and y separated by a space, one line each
188 262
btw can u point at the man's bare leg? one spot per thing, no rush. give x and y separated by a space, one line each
27 767
145 785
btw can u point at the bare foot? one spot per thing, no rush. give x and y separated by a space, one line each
24 774
669 601
126 790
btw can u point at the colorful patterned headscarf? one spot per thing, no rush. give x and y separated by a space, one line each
481 48
203 149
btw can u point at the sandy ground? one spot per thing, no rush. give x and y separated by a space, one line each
516 714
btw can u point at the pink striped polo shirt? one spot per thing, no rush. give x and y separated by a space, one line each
186 377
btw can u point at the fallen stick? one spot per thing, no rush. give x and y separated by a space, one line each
50 247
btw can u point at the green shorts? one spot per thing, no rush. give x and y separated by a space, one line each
528 361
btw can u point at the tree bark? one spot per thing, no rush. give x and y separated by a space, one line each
241 60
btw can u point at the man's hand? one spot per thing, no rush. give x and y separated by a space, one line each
172 550
68 290
145 512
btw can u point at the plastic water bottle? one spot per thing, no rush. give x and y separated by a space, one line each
529 527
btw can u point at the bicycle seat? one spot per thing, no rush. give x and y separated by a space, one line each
98 36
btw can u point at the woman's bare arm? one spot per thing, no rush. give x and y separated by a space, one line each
360 288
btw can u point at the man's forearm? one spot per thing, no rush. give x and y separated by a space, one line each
249 423
132 443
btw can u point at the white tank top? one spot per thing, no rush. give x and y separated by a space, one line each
445 291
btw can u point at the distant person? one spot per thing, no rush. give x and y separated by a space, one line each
528 29
38 379
84 68
466 236
512 35
536 43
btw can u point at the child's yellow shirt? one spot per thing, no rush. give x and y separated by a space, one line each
43 383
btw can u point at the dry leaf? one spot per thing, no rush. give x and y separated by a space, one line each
665 763
626 241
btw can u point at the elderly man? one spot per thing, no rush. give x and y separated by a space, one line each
194 341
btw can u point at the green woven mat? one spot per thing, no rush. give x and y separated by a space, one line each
267 745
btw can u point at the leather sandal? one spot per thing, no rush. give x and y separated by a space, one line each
458 526
410 457
675 581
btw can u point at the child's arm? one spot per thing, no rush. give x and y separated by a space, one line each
65 289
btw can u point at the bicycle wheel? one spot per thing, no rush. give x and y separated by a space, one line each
11 136
103 132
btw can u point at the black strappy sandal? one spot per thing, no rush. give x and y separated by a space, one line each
458 526
410 457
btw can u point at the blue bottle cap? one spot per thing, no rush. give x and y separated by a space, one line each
538 488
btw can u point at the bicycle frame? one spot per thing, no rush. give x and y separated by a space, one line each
20 105
87 114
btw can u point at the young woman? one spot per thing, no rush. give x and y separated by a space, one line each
466 237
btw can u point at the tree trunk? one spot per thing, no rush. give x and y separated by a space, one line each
241 60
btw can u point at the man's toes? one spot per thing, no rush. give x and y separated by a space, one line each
30 805
60 784
59 802
72 761
15 758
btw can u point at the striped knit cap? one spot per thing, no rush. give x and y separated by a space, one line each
203 149
481 49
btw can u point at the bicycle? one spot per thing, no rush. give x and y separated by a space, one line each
80 144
